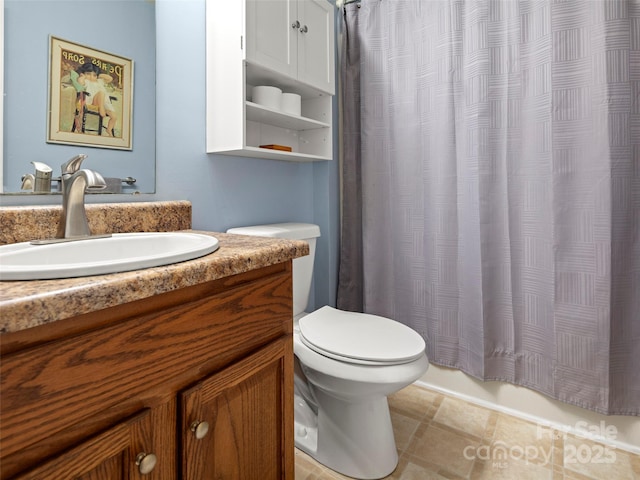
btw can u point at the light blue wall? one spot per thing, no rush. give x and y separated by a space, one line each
29 24
226 191
229 191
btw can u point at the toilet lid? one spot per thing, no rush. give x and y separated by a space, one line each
360 338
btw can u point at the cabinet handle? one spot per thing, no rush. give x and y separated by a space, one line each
146 462
304 29
295 24
199 429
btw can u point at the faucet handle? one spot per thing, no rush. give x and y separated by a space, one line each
73 164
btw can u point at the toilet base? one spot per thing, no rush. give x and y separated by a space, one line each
305 425
354 439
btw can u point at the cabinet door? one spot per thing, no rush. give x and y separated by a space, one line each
238 423
272 35
316 44
110 455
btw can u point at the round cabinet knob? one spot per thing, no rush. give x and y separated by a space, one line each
200 429
304 29
295 24
146 462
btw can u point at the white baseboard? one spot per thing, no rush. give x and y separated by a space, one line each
626 428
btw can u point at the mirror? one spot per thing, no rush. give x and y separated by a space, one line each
108 32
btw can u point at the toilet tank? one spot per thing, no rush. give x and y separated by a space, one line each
303 266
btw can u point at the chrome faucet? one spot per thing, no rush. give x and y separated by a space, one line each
74 183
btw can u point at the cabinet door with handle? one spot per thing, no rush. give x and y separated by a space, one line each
316 44
111 455
238 423
272 35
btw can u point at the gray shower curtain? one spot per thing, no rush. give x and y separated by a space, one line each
491 187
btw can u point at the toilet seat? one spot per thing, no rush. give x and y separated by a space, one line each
360 338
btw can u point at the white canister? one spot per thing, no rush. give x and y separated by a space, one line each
291 103
267 96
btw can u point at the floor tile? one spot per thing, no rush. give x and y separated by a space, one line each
462 416
411 468
403 429
415 402
510 469
306 467
595 460
524 440
440 437
445 448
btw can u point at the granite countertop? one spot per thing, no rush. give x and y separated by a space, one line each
25 223
27 304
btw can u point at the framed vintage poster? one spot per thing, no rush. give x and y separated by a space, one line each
90 97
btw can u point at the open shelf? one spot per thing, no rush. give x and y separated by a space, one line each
256 152
262 114
235 124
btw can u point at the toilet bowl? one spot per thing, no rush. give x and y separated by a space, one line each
347 364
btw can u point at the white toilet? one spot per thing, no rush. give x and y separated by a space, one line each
347 364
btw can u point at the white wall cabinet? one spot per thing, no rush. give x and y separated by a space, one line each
284 43
294 37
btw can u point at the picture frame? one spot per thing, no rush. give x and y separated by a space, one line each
90 97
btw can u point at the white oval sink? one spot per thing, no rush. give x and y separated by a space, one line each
119 253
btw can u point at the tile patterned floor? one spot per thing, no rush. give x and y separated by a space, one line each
442 437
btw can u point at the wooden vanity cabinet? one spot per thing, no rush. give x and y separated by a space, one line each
105 456
242 407
195 384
